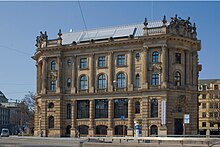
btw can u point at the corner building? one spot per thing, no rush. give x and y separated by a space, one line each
102 82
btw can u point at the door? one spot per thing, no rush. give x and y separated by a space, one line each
178 126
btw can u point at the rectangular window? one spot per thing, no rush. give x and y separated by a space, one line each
121 60
83 109
211 124
203 124
83 63
211 105
120 108
101 61
53 85
101 108
203 114
215 87
178 58
203 105
204 96
211 114
155 80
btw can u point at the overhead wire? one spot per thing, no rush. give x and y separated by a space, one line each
83 19
15 50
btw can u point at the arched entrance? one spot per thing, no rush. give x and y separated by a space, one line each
121 130
101 130
68 130
83 130
153 130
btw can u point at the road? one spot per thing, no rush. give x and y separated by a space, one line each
15 141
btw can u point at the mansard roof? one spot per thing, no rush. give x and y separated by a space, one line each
208 81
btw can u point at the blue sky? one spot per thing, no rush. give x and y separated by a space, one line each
21 22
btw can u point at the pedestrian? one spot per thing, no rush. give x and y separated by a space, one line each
41 133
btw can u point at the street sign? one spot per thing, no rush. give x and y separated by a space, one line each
186 118
122 117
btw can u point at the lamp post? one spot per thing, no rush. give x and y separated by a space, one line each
114 85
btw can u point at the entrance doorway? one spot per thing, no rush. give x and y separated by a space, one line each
68 130
178 126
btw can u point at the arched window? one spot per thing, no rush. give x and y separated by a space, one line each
154 108
101 81
155 79
53 85
51 122
68 84
155 56
53 65
51 105
68 111
177 79
101 130
137 107
137 81
121 130
121 81
83 83
153 130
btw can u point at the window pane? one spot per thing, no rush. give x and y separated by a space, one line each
155 57
83 109
101 108
121 60
53 85
154 108
121 80
178 58
137 81
155 79
83 83
120 108
53 66
101 61
101 82
83 63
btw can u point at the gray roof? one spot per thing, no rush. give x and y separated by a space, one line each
114 32
207 81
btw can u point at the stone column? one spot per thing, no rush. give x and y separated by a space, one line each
110 130
145 115
39 68
110 67
91 78
44 119
164 67
130 71
194 77
91 117
130 117
44 75
73 119
73 88
36 120
58 81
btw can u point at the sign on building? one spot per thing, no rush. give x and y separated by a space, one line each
186 118
163 113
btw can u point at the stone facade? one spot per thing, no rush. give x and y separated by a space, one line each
157 62
209 106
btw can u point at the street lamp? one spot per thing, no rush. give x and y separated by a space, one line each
114 85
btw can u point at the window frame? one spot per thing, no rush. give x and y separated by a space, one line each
154 108
155 79
121 107
155 57
121 80
53 85
101 108
83 109
177 78
83 63
102 82
102 61
121 60
137 81
53 66
177 58
83 83
68 111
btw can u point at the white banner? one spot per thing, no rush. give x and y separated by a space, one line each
186 118
163 113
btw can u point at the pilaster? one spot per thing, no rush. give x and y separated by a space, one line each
130 71
144 67
130 117
44 119
164 67
73 88
110 67
44 75
110 131
58 81
145 116
73 119
91 78
91 117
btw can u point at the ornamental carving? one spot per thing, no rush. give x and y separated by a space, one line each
53 75
180 104
156 68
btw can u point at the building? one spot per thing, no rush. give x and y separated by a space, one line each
209 108
4 112
103 82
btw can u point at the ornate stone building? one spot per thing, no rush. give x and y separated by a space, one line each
209 108
103 81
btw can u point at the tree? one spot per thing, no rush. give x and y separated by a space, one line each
27 110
